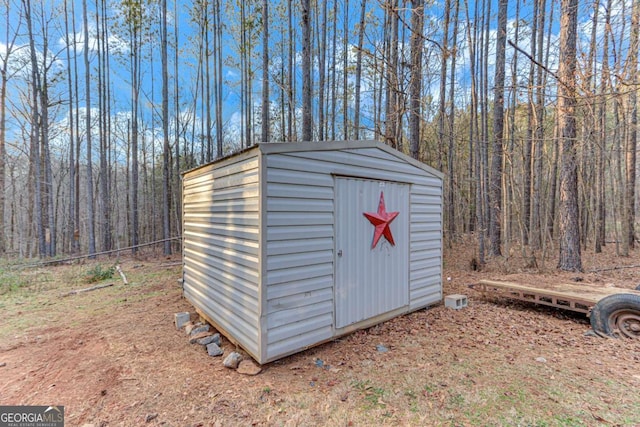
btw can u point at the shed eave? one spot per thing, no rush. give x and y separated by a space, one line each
291 147
220 159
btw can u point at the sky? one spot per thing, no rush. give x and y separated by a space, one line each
181 21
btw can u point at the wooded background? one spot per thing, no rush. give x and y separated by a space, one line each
528 106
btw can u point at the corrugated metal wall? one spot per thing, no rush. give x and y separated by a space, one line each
300 238
259 240
299 277
221 244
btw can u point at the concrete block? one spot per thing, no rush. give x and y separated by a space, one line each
455 301
180 319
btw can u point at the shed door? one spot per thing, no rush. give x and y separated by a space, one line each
370 280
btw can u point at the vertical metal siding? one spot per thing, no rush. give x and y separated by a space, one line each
221 245
370 281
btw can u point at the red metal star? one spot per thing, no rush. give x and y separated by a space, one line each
381 220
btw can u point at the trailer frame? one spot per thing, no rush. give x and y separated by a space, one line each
587 299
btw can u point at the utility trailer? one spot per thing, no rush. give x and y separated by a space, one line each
612 311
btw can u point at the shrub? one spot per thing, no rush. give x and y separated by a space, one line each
99 273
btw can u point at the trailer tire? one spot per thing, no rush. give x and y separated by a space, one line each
617 315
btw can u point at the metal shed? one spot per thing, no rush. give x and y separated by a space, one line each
288 245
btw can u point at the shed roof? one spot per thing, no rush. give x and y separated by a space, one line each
291 147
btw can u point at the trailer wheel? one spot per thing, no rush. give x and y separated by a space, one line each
617 315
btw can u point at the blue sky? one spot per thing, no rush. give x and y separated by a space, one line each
120 76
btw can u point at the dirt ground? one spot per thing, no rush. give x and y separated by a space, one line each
112 356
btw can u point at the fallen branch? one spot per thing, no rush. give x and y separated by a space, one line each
597 270
93 288
124 278
92 255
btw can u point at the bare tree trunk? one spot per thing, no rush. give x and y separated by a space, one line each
391 108
4 79
415 83
473 127
87 82
451 213
35 194
219 79
334 82
531 125
166 152
509 197
49 217
570 257
322 79
484 113
135 93
442 102
103 90
356 118
631 144
495 190
345 71
71 225
291 80
535 233
307 130
602 137
265 71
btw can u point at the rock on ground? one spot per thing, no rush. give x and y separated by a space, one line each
249 367
232 360
214 350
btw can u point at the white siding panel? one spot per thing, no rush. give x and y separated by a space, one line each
299 273
276 219
296 331
300 299
312 332
224 272
301 191
222 230
295 315
250 219
221 245
299 218
284 289
223 295
240 245
227 257
299 246
299 204
299 259
247 204
292 232
278 172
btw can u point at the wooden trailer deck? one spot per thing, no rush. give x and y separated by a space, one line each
580 298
